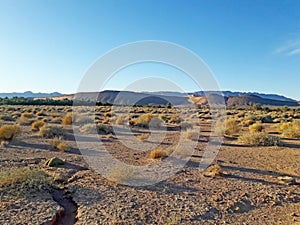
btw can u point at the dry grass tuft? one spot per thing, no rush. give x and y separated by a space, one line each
8 132
257 127
143 137
26 176
67 120
158 153
259 139
51 131
290 129
35 126
191 134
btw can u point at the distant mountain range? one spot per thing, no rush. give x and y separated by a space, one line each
232 99
29 94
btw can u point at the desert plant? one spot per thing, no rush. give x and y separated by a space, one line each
6 117
257 127
121 120
57 143
51 131
191 134
25 118
158 153
27 177
8 132
143 137
35 126
67 119
290 129
232 126
142 121
259 139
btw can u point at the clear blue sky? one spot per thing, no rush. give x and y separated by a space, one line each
47 45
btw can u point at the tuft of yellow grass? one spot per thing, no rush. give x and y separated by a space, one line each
158 153
191 134
259 139
67 120
256 127
8 132
143 137
35 126
31 177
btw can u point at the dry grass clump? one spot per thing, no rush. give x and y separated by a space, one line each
142 121
121 120
67 119
229 127
57 143
259 139
41 113
290 129
27 177
35 126
8 132
191 134
257 127
175 119
143 137
92 128
51 131
26 118
213 171
158 153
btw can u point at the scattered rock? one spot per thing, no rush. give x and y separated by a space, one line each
54 162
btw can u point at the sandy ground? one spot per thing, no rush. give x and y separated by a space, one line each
247 192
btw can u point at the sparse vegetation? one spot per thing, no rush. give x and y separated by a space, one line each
290 129
35 126
191 134
259 139
67 120
27 177
257 127
8 132
51 131
143 137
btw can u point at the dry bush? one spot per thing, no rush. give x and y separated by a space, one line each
259 139
57 143
41 113
27 177
191 134
174 119
67 119
121 120
26 118
92 128
143 137
158 153
257 127
51 131
142 121
232 126
8 132
35 126
290 129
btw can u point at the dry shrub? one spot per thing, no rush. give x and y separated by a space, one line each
158 153
191 134
67 119
57 143
290 129
121 120
26 118
174 119
257 127
50 131
232 126
8 132
259 139
41 113
92 128
35 126
213 171
142 121
143 137
32 178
